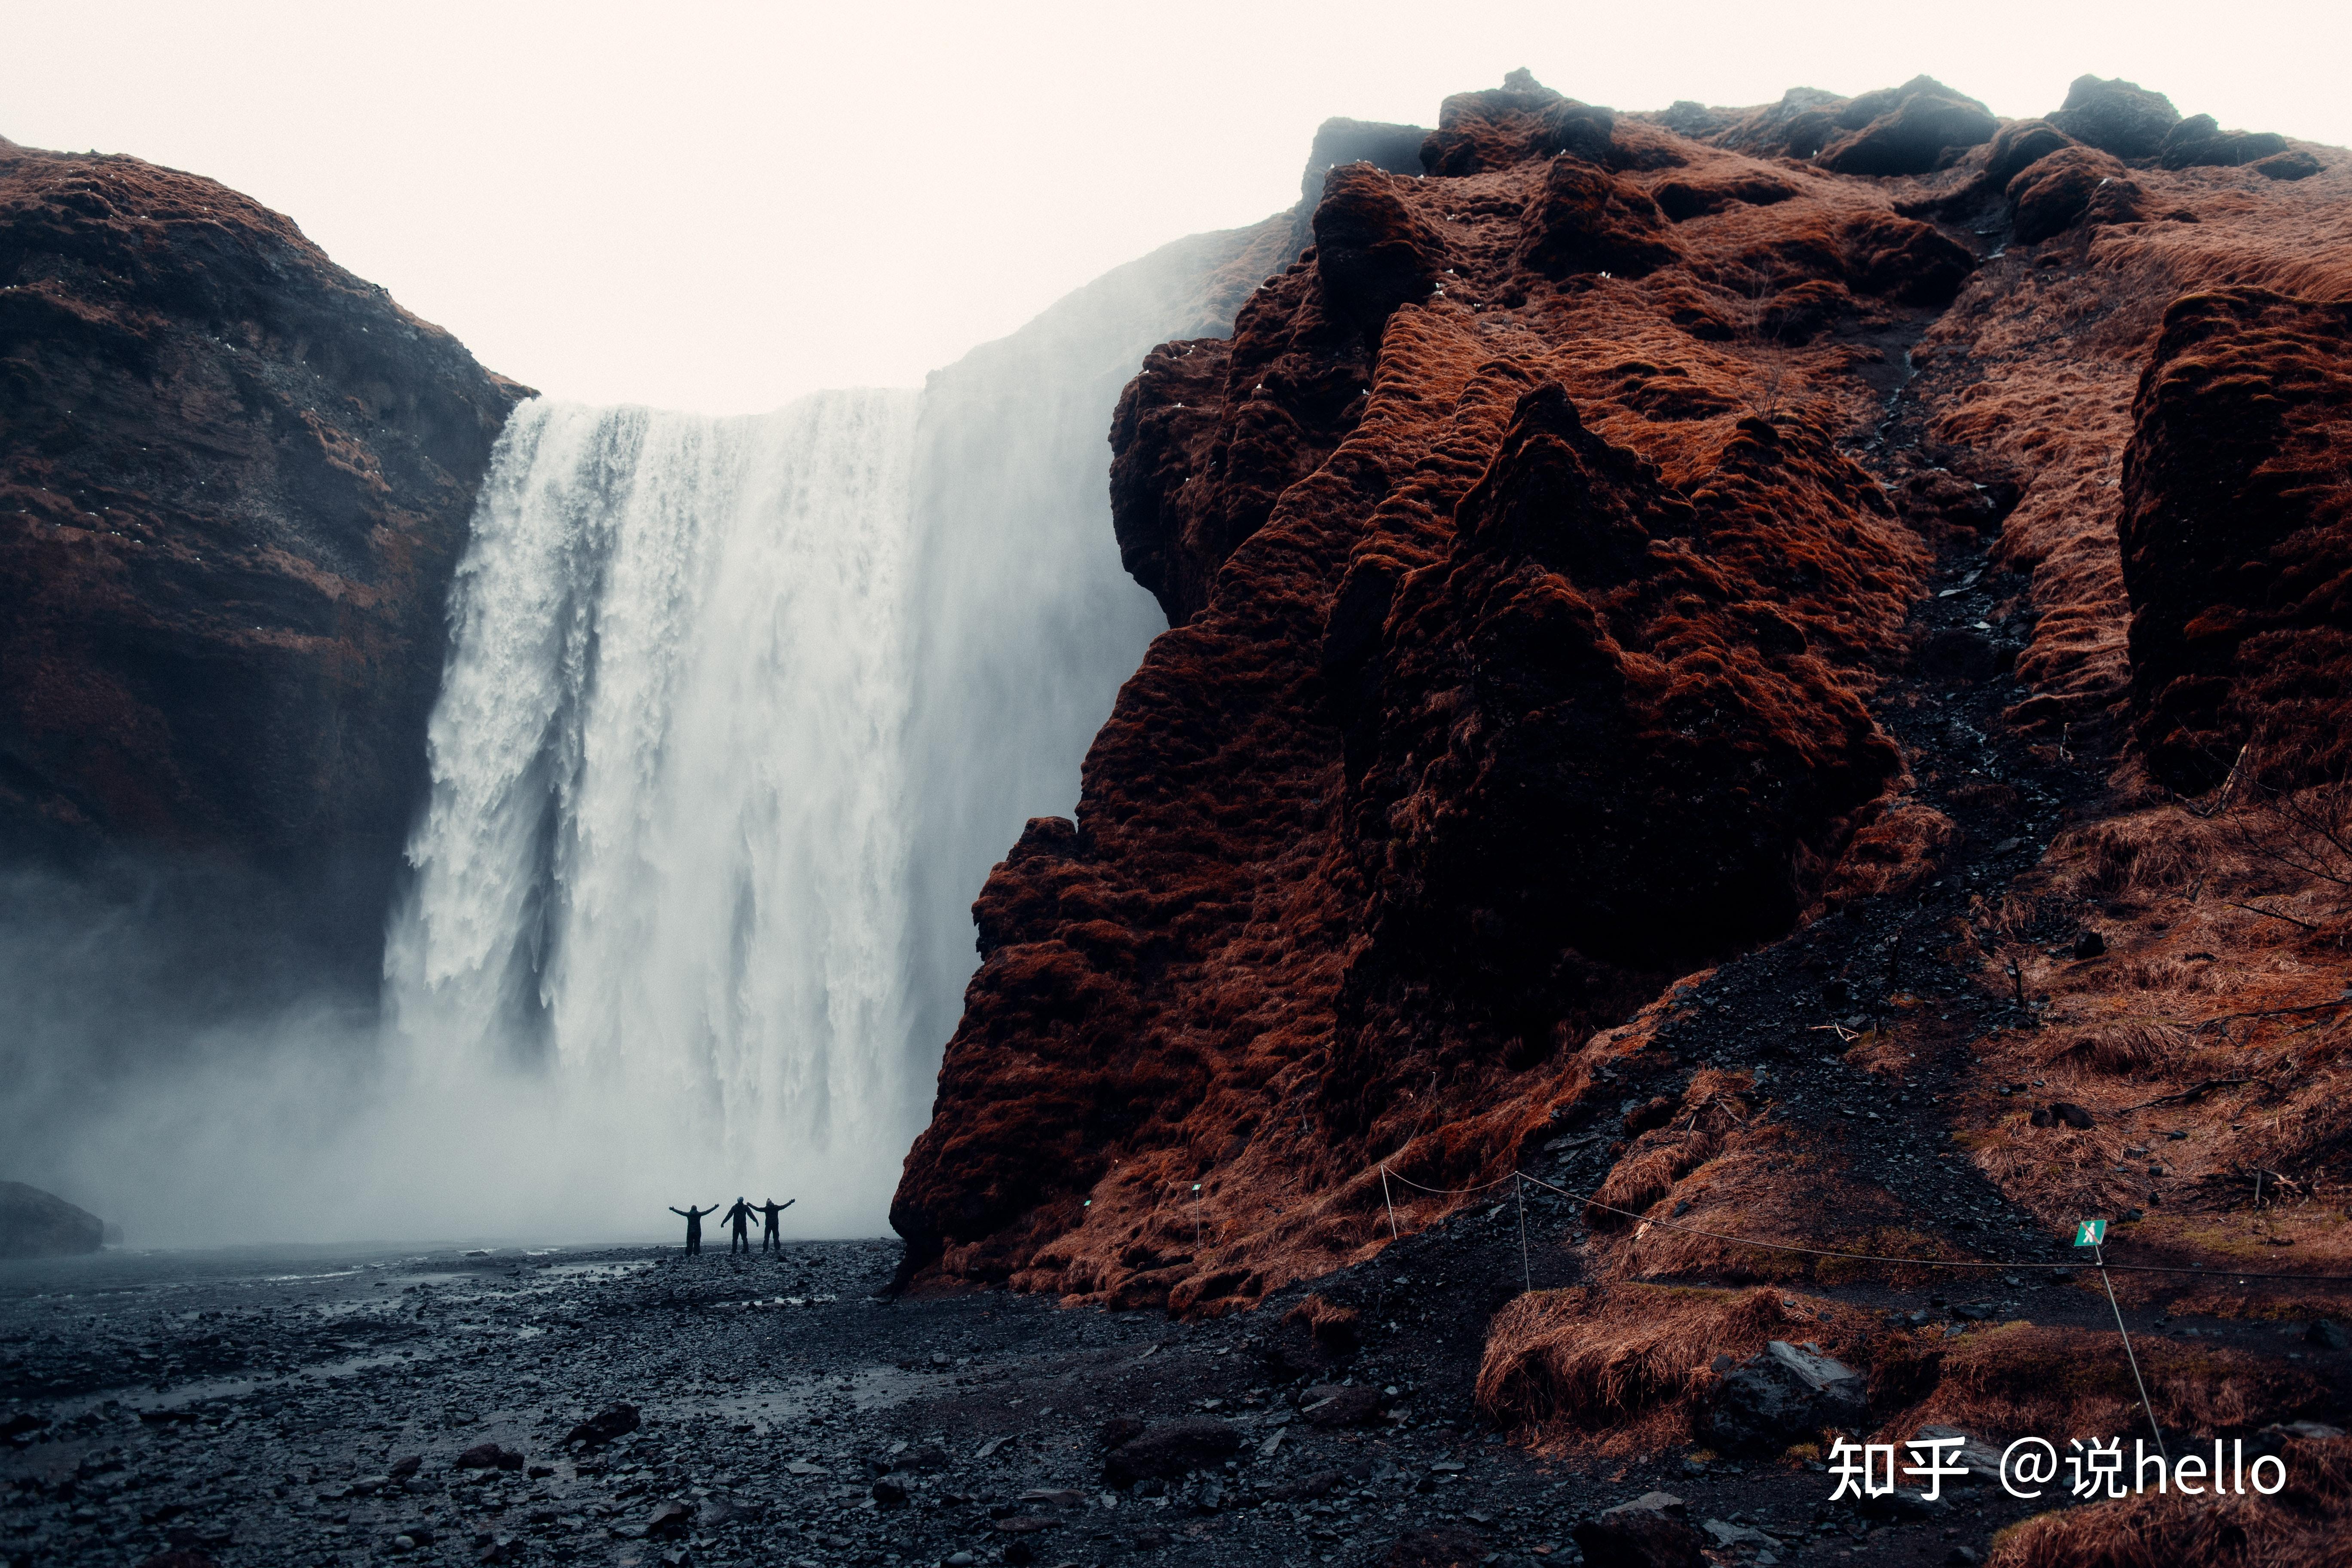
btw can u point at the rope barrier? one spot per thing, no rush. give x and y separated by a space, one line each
1592 1201
2100 1253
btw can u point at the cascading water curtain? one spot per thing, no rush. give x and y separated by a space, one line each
655 946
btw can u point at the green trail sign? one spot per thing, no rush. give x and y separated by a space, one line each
2091 1233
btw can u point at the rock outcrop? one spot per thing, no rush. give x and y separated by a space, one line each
1535 551
234 482
2237 535
34 1223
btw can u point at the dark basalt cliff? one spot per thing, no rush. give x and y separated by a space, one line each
234 482
1548 555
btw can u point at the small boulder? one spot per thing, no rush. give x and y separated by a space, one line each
1782 1395
406 1466
490 1457
1332 1406
889 1493
616 1420
2072 1115
1645 1533
2328 1334
1171 1449
672 1518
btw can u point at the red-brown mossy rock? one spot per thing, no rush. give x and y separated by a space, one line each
2237 534
2071 186
2019 145
1478 132
1905 129
1585 219
1681 199
1371 252
1516 663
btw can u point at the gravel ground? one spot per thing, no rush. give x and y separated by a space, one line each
277 1394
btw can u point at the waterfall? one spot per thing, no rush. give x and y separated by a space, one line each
738 713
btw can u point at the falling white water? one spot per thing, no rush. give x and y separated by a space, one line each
661 881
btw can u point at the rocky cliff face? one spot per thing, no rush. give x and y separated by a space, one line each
234 483
1544 554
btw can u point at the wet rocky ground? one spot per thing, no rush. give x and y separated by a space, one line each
319 1408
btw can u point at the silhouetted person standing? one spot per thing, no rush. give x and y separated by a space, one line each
694 1226
739 1220
768 1238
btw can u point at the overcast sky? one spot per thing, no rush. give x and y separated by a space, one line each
719 206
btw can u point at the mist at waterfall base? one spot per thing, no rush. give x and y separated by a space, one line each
737 712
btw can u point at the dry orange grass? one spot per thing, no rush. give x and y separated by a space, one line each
2307 1525
2210 1016
2059 1382
1627 1367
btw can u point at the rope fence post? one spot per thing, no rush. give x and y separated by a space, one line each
2100 1255
1526 1275
1385 1203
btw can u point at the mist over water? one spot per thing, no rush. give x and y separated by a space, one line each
737 715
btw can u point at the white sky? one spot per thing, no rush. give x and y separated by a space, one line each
718 207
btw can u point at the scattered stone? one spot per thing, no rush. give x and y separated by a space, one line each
889 1493
2072 1115
406 1465
2328 1334
1436 1549
1334 1405
490 1457
1171 1449
671 1518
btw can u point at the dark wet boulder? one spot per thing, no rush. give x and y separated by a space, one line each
1648 1532
1172 1449
34 1223
616 1420
2198 142
2072 1115
2116 116
1781 1396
